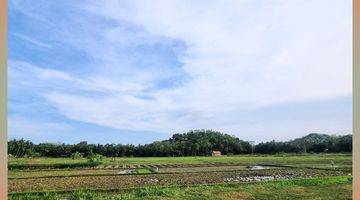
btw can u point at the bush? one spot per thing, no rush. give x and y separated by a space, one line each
95 158
76 155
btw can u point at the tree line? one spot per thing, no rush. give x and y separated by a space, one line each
192 143
313 142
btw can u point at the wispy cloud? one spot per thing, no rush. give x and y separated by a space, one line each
32 41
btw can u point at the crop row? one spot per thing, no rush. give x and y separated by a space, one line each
95 165
61 172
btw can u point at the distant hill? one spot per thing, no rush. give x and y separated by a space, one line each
197 143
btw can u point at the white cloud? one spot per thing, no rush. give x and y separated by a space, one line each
274 52
240 55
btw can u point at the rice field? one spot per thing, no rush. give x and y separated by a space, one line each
117 177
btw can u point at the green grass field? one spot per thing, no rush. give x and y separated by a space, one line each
306 176
286 159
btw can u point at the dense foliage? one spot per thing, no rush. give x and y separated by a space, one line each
317 143
192 143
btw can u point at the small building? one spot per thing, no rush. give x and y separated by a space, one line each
216 153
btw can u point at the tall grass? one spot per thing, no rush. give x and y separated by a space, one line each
53 166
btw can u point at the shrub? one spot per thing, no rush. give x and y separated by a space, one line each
76 155
95 158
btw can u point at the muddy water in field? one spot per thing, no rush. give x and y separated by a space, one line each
13 174
215 168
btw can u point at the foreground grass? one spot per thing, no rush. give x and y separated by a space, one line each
338 188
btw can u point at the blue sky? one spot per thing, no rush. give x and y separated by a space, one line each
139 71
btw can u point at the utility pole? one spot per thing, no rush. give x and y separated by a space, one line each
3 99
356 99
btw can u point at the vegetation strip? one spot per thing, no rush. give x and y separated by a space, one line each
53 166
